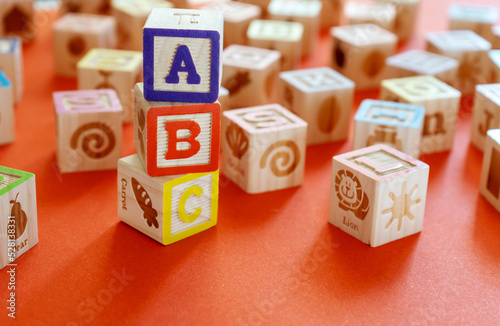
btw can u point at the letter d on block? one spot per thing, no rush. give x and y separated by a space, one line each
183 62
172 128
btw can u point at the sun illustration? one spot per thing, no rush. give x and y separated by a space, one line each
402 206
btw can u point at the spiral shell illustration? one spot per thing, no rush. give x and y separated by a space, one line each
97 139
237 140
285 156
145 203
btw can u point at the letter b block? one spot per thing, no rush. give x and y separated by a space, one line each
182 50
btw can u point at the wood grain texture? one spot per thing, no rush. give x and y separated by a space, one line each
490 173
486 113
406 17
11 63
16 19
7 132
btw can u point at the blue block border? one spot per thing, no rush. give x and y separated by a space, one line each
4 81
366 105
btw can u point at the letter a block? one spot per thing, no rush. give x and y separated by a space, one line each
182 55
6 110
378 194
486 113
176 138
168 208
490 175
18 219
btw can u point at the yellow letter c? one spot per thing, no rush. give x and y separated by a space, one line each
185 217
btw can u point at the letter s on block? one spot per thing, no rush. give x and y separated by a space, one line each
183 62
172 127
183 215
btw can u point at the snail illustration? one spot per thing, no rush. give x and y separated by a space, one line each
20 217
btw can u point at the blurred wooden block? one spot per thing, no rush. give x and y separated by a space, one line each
262 4
417 62
398 125
16 19
98 7
285 37
490 173
250 75
131 15
323 98
6 110
88 130
18 214
406 17
492 66
380 14
331 13
486 113
225 103
176 138
237 18
360 51
441 102
119 70
495 37
378 194
168 208
76 34
305 12
474 17
11 63
264 148
469 49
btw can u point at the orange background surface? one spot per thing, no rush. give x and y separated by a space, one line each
272 259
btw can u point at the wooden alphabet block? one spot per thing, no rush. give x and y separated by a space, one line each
182 55
167 208
285 37
323 98
380 14
305 12
378 194
406 16
441 102
19 227
76 34
16 19
417 62
331 13
492 66
176 138
360 51
6 111
262 4
88 130
397 125
474 17
237 18
98 7
250 75
114 69
490 173
225 103
486 113
263 148
469 49
11 63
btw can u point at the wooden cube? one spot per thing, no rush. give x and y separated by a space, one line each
11 63
417 62
378 194
225 103
473 17
250 75
469 49
19 227
441 102
406 17
176 138
285 37
237 18
305 12
262 4
114 69
99 7
360 51
167 208
323 98
331 13
264 148
182 55
381 14
398 125
495 37
6 110
88 130
16 19
492 66
76 34
486 113
490 173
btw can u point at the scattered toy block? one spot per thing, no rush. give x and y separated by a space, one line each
11 63
285 37
406 16
225 103
76 34
486 113
167 208
119 70
417 62
98 7
19 227
331 13
305 12
6 111
182 55
16 19
441 102
490 173
323 98
378 13
176 138
263 148
262 4
378 194
250 75
360 51
398 125
88 130
474 17
469 49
